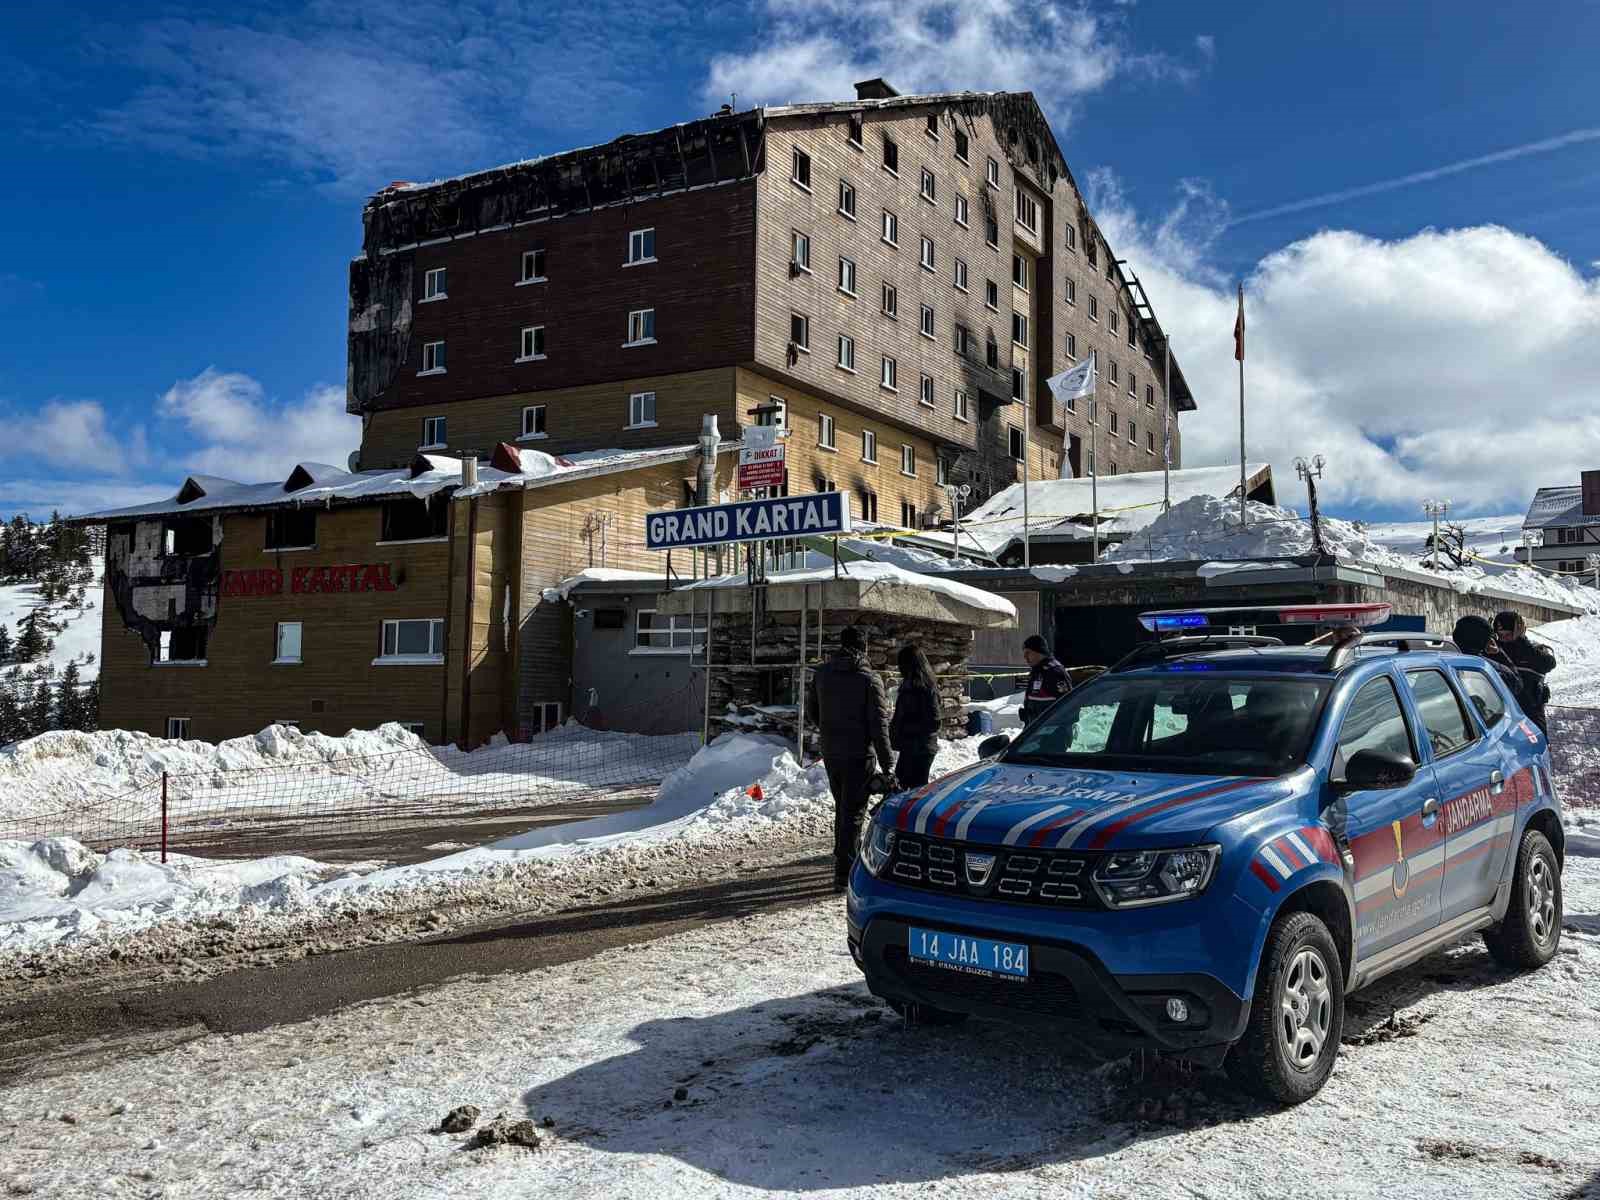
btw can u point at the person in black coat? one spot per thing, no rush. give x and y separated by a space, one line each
1474 635
1047 678
914 728
1532 660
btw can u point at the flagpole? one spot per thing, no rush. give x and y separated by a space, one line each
1027 545
1094 456
1240 349
1166 430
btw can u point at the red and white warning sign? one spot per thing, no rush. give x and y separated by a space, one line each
761 458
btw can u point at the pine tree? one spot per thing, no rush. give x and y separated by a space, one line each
31 641
69 701
89 707
41 705
10 718
5 644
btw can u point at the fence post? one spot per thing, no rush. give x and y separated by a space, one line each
163 816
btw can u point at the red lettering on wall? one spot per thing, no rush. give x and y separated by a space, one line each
343 577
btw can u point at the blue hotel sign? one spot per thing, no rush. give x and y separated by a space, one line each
748 521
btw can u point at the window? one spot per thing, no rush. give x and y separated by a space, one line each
991 232
908 459
847 352
800 172
991 351
926 256
993 173
800 255
1111 468
1018 384
963 340
891 300
1111 267
1089 249
546 716
1149 441
433 284
941 471
927 321
847 276
933 126
847 199
869 446
412 642
1019 272
1112 370
641 246
891 228
1441 712
532 344
1072 237
661 633
1072 290
825 431
177 727
1113 421
800 331
290 529
1027 211
1094 308
533 265
963 405
961 210
889 375
959 275
413 520
1014 435
869 504
433 433
1019 329
925 390
891 156
641 410
991 294
182 646
854 130
1484 695
1149 395
416 727
288 645
1133 331
1374 721
928 186
1133 430
1072 346
1570 536
641 327
774 413
432 358
961 145
533 421
908 515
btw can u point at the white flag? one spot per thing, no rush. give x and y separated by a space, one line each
1076 383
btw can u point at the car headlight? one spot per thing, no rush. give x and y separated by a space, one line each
1134 878
876 846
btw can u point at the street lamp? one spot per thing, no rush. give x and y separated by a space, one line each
1435 509
957 494
1593 563
1310 472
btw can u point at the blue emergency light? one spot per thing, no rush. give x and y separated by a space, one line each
1175 619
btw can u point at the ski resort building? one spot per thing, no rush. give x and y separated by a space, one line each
1567 520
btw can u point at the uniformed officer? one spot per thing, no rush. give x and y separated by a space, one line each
1047 678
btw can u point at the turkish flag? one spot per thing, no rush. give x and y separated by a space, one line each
1238 328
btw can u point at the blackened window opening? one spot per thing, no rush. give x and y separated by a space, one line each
410 520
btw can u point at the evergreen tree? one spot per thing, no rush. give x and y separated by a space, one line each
89 707
41 705
69 699
10 718
31 640
5 644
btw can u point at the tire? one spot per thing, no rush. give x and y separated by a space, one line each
923 1014
1296 1016
1530 933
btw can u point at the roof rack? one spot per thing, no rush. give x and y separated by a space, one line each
1409 641
1172 647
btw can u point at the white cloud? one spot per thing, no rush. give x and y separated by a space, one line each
816 49
40 497
1455 363
1206 44
246 436
74 432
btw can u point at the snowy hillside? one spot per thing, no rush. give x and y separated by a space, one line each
1488 537
79 638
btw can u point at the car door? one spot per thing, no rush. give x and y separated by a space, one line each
1381 830
1478 822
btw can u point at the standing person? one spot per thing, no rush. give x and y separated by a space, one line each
1474 635
914 728
1047 678
1533 662
848 705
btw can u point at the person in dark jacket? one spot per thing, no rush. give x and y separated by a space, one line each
914 728
1532 660
1047 678
1474 635
851 714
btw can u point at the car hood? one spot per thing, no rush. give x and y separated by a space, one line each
997 804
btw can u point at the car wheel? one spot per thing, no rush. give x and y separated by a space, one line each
924 1014
1296 1017
1530 932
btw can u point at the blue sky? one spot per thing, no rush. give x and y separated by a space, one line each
185 191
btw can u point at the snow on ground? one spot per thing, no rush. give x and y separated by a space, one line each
1489 537
1206 528
1005 711
79 638
746 1059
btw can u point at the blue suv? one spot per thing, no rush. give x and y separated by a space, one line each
1205 849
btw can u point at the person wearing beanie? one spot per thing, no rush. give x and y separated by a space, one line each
1047 678
1532 660
1474 635
846 700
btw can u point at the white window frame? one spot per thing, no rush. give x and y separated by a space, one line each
1094 309
925 322
435 433
826 431
931 127
1019 325
925 253
800 250
279 658
636 246
1016 445
537 434
941 471
958 275
847 275
1072 291
963 405
992 174
889 374
963 340
961 140
891 228
684 633
891 301
778 420
890 144
434 283
1133 432
925 390
1071 348
869 446
388 658
801 344
432 353
908 514
796 159
531 262
532 336
1072 237
639 321
991 295
929 186
847 199
847 353
1027 211
177 728
962 212
908 460
640 403
1019 267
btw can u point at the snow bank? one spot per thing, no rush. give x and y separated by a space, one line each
873 573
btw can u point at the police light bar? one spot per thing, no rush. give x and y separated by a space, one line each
1175 619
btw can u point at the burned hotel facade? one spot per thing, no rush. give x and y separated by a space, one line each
534 351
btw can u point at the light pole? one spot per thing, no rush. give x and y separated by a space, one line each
957 494
1310 472
1593 563
1435 509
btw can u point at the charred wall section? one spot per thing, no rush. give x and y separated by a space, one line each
158 591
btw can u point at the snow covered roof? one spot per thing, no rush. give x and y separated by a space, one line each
427 474
875 584
1554 506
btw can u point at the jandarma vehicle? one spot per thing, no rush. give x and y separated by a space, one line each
1204 850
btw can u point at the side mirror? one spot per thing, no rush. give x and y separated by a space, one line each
1376 770
989 747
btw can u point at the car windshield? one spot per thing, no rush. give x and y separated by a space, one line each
1179 723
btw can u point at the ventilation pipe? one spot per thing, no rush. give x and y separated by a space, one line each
469 469
710 439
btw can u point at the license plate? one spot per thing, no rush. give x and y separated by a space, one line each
973 955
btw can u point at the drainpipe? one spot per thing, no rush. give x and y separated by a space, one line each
710 439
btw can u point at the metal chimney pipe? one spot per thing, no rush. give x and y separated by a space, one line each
706 477
469 469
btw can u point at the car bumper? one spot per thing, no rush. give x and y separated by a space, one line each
1068 988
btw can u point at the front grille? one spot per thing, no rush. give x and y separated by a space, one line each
1044 992
1043 877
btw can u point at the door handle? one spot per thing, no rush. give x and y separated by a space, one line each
1497 781
1430 806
